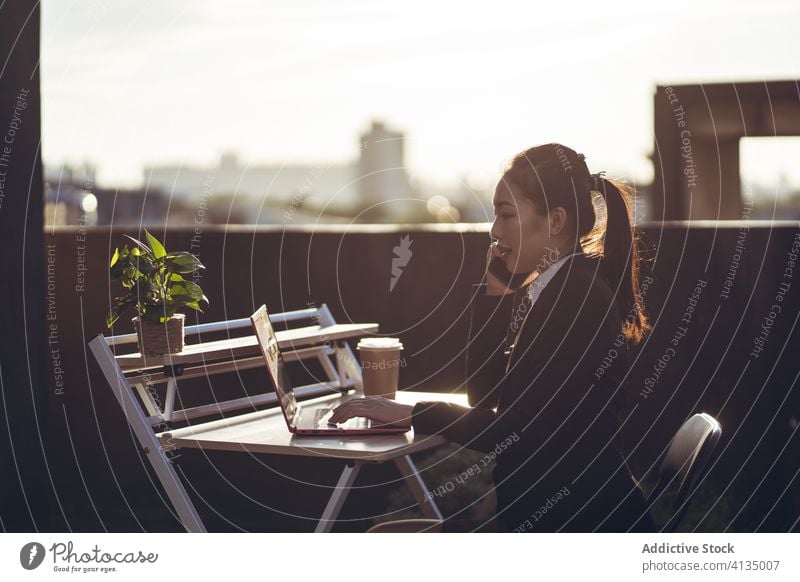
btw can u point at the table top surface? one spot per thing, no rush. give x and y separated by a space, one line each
266 432
247 345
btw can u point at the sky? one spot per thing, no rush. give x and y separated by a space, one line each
134 83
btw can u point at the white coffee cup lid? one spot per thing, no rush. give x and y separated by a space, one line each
380 343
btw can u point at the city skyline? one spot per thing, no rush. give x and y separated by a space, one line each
467 87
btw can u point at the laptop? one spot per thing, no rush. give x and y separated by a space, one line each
311 420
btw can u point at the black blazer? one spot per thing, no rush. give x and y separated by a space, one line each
551 422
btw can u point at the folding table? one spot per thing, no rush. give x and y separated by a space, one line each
258 430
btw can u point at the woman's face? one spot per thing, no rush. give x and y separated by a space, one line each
528 238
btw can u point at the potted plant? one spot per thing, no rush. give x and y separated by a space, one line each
157 288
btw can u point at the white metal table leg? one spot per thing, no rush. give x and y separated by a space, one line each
147 399
169 401
338 497
412 478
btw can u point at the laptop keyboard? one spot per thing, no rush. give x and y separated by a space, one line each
321 420
357 422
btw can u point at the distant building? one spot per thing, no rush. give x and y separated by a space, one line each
67 195
72 197
333 183
378 175
131 207
235 191
383 175
697 130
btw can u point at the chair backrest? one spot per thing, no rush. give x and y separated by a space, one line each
686 463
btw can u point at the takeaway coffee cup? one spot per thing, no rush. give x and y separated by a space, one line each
380 365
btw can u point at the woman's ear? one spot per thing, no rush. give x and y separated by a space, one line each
557 220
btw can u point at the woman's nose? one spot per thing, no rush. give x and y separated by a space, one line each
495 230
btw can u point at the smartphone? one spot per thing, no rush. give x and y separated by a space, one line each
497 267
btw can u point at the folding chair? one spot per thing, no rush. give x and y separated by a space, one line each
685 464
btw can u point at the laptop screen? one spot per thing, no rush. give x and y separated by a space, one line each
272 354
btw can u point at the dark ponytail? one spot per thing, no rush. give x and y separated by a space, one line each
552 175
620 257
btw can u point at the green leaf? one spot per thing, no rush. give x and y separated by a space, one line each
185 291
138 243
146 286
158 249
189 302
122 305
117 269
146 266
182 262
129 275
114 258
175 277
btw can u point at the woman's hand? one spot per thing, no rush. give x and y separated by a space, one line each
494 286
497 286
377 408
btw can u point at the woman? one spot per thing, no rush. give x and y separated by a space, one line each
546 388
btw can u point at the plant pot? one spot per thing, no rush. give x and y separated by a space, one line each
158 339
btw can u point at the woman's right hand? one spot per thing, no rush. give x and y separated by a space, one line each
507 282
494 285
